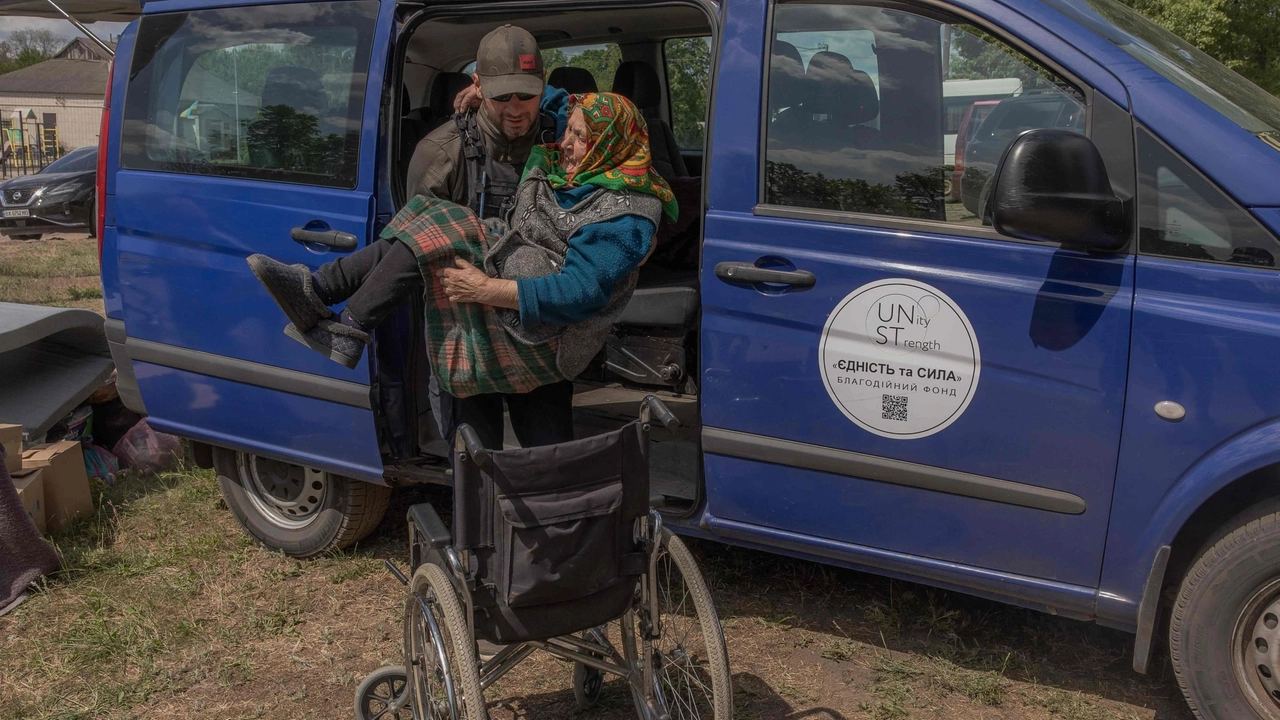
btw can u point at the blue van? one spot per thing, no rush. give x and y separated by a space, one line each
1059 393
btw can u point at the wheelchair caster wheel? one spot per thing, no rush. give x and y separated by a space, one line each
587 684
384 695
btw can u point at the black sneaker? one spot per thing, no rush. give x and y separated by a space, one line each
338 342
290 286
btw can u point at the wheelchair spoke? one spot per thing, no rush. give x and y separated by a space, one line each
679 653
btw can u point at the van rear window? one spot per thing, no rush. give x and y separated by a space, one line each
273 92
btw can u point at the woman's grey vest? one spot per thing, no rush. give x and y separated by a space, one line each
535 243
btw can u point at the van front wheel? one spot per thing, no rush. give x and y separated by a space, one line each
298 511
1224 636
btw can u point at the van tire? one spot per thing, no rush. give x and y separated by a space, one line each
349 511
1218 627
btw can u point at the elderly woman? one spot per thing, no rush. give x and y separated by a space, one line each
516 310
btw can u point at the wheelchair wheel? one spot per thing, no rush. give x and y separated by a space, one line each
588 682
440 653
383 695
690 663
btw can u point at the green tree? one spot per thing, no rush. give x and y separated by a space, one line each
281 137
249 65
28 47
688 77
976 55
601 62
1241 34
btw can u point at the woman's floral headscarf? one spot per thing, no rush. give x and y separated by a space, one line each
619 159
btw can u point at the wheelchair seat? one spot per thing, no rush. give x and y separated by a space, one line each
663 298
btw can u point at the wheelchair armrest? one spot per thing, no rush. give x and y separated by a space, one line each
424 517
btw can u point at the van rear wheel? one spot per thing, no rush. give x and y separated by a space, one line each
298 511
1224 636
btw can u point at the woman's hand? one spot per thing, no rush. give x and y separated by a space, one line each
467 283
468 99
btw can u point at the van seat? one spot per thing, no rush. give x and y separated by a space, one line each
663 297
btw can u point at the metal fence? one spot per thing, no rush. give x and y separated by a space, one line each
25 160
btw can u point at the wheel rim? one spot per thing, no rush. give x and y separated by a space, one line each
289 496
378 697
1257 650
428 668
680 655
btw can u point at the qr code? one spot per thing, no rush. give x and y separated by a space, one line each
893 407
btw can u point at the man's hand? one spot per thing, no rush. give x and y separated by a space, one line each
468 99
467 283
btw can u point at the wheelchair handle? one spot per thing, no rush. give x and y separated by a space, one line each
660 412
475 448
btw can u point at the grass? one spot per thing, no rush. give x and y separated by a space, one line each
166 609
58 271
48 258
160 593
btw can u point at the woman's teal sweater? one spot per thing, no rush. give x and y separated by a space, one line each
600 254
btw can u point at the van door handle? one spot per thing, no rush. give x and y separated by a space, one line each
748 274
335 239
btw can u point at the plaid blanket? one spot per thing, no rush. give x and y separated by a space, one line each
471 352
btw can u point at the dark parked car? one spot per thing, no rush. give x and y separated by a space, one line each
59 197
1051 108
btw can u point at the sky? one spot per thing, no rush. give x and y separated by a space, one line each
104 30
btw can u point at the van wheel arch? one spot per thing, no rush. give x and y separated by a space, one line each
1205 527
1208 523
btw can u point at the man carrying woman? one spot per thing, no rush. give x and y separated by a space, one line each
516 307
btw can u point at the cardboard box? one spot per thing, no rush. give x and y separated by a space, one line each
11 438
30 484
66 487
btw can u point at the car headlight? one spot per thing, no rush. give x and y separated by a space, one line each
66 188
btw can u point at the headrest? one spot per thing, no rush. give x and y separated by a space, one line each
573 80
786 75
445 87
834 88
298 87
637 81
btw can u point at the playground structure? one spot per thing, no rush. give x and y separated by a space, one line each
28 142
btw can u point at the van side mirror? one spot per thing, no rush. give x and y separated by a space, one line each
1052 186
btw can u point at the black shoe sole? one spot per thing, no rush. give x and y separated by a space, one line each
257 266
340 358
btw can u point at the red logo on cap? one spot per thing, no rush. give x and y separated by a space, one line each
528 62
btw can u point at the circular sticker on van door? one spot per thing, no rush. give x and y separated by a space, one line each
900 359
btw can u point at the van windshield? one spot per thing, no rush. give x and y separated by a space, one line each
1219 87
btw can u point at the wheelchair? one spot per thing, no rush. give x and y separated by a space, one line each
554 549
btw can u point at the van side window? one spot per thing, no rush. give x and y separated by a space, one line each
688 62
877 110
600 61
273 92
1182 215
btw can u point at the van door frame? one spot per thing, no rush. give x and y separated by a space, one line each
392 99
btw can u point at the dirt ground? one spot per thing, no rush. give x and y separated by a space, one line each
167 610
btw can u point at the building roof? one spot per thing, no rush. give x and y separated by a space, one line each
58 77
81 48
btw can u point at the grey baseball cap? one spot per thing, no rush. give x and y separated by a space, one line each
509 61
